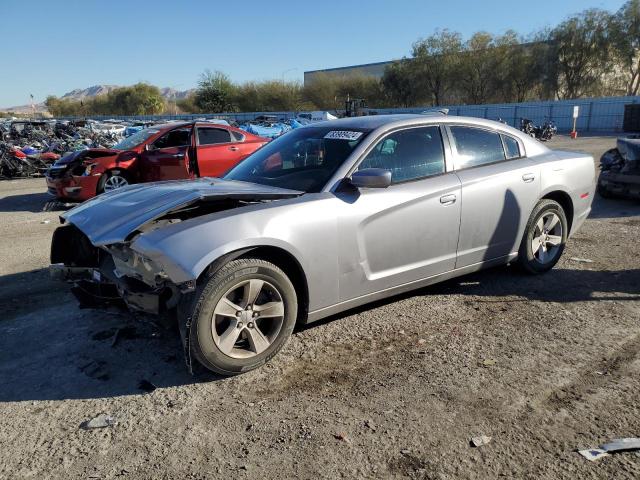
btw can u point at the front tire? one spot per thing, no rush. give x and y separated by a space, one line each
112 180
242 315
544 237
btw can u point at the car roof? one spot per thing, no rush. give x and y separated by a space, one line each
387 122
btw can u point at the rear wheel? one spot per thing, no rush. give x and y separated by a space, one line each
544 237
242 315
112 180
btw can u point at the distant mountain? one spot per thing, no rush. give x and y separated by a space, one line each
94 91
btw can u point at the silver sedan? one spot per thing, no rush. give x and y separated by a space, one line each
326 218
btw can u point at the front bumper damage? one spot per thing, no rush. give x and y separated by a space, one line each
112 274
73 187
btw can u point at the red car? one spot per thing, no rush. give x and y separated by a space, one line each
166 152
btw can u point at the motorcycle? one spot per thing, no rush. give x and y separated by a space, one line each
543 133
528 127
546 131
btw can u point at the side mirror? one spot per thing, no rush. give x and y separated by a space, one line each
371 178
149 147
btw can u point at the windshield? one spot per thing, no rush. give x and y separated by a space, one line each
135 139
303 159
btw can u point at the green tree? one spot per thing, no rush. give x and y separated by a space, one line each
435 64
581 44
625 41
214 92
398 83
477 68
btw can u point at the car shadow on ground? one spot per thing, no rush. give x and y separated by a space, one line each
50 349
33 202
614 208
560 285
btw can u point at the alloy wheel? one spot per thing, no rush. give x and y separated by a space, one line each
547 238
115 181
248 318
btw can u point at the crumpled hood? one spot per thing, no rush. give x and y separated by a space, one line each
111 217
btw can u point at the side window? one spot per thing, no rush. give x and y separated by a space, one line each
476 146
211 136
511 147
236 136
179 137
409 154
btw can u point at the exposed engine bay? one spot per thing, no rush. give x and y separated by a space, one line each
117 273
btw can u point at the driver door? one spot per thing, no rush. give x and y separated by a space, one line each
168 158
407 231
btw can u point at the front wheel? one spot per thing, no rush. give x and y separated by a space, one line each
544 238
112 180
242 315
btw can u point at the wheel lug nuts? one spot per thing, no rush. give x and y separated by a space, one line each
255 314
238 314
240 325
250 324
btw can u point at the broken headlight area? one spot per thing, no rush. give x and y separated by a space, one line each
115 274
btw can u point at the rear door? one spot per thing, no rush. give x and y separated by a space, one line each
167 158
217 150
500 187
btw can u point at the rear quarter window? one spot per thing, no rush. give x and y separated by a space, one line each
511 147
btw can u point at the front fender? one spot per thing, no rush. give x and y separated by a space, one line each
305 230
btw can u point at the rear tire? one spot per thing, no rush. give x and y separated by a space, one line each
544 237
241 316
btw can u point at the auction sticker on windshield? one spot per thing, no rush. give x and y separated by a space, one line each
343 135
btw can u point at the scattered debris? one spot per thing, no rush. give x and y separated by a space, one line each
621 445
146 386
370 425
45 221
614 446
593 454
405 451
488 362
421 341
581 260
480 440
101 421
342 436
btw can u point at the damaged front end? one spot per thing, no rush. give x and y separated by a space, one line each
111 248
620 169
114 274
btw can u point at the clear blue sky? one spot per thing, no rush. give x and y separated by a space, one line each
51 47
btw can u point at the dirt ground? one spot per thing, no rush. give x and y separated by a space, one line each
544 365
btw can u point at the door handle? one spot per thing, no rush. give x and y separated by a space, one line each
448 199
178 155
234 149
528 177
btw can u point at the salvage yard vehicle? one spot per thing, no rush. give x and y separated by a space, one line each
323 219
620 169
164 152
